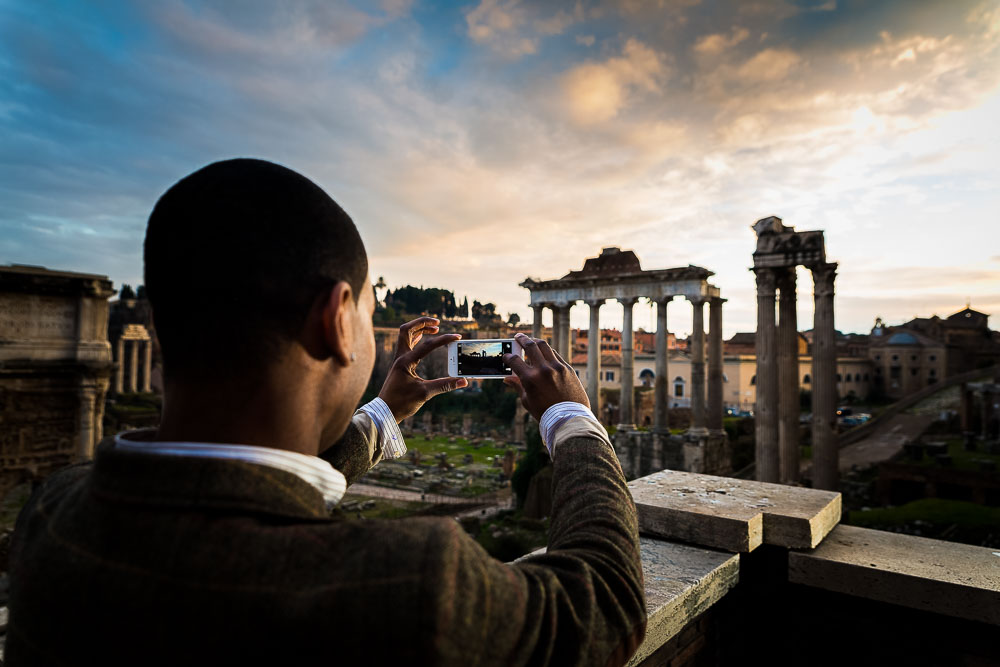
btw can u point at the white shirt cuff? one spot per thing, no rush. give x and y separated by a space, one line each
556 416
390 438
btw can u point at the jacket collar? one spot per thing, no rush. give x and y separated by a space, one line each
136 476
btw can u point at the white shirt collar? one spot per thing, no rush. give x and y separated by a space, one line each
311 469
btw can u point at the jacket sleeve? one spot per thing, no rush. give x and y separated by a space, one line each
580 603
357 450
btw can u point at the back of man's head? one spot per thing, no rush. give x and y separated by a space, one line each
235 256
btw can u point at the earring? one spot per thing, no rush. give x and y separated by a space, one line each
354 357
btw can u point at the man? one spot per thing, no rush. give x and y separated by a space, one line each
209 540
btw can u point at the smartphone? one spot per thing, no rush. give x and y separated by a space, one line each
481 358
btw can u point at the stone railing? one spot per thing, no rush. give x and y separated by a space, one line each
739 570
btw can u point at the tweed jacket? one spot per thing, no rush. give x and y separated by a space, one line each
137 559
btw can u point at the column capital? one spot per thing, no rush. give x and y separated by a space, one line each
697 300
766 281
595 303
628 300
823 278
664 300
716 301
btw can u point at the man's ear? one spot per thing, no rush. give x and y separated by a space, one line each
338 332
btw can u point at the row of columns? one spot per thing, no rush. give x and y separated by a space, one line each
133 366
777 406
704 418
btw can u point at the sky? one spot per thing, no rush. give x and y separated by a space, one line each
477 144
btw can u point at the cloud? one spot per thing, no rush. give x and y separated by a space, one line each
585 40
512 29
718 42
598 91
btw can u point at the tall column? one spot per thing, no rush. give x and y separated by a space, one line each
120 371
556 326
715 404
766 407
788 378
565 339
625 416
86 396
147 366
661 417
536 322
133 370
698 367
594 356
826 474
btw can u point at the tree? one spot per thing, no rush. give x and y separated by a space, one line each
513 319
126 292
140 292
465 308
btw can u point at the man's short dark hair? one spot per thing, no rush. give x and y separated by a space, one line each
236 254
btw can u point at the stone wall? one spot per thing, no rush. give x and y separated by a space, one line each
55 369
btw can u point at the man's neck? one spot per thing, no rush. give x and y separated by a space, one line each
250 413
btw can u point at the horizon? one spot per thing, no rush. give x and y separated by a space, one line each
481 144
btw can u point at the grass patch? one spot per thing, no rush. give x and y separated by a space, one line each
383 508
961 458
457 450
935 511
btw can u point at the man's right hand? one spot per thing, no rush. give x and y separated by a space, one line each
542 378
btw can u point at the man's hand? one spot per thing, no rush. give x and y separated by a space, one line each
543 378
404 391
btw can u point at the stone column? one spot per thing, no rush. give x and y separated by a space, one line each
766 407
788 378
536 323
147 366
625 417
594 356
556 326
85 421
120 371
565 343
698 368
825 472
661 415
715 403
133 362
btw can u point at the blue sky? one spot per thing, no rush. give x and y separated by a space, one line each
479 143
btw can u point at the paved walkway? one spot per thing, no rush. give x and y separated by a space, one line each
373 491
886 442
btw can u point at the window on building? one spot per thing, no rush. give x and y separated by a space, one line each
725 378
857 377
878 371
932 372
895 357
838 378
807 379
679 387
913 357
753 380
878 357
895 373
609 376
933 357
931 380
866 377
914 371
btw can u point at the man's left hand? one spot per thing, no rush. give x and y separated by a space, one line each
404 391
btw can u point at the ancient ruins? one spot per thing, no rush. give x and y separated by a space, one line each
616 274
55 369
780 249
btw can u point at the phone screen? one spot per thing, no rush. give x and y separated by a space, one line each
483 358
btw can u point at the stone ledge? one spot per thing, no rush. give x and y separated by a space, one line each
957 580
681 583
732 514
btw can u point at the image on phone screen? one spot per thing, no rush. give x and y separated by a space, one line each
483 358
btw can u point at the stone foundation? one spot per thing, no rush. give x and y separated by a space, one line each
644 452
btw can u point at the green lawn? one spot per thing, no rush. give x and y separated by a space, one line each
961 459
384 508
930 510
456 450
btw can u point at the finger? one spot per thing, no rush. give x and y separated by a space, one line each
429 343
531 349
406 341
515 382
546 350
516 364
443 385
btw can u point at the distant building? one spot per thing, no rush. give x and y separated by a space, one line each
926 350
55 369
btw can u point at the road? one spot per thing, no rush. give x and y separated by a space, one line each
887 441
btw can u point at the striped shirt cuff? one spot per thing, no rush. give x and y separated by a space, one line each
556 416
390 438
